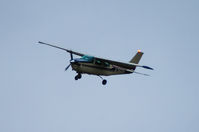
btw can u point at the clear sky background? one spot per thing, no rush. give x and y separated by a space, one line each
36 95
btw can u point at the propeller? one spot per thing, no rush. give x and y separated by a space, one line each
67 67
71 58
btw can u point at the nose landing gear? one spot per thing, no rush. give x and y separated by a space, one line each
78 76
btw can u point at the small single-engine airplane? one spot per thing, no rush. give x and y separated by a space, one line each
100 66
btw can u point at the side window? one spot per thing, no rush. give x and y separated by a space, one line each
98 62
88 58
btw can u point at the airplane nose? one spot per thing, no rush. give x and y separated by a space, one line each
75 62
72 61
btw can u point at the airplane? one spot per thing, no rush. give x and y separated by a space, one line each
92 65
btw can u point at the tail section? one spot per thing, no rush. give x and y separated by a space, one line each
137 57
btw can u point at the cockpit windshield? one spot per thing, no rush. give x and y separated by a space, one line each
88 58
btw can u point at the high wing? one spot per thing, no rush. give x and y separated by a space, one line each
69 51
117 63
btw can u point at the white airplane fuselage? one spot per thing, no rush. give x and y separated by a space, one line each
95 69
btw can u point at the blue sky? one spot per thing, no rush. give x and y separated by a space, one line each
36 94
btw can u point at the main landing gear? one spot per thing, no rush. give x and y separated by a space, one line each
104 81
79 76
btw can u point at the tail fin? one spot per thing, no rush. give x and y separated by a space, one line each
137 57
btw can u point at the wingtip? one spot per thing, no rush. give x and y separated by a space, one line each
40 42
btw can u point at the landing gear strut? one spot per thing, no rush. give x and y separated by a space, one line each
78 76
104 81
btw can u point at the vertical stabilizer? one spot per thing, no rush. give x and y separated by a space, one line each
137 57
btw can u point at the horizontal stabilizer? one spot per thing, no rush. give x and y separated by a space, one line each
137 65
141 73
147 67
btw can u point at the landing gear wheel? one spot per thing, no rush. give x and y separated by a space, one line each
104 82
76 78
